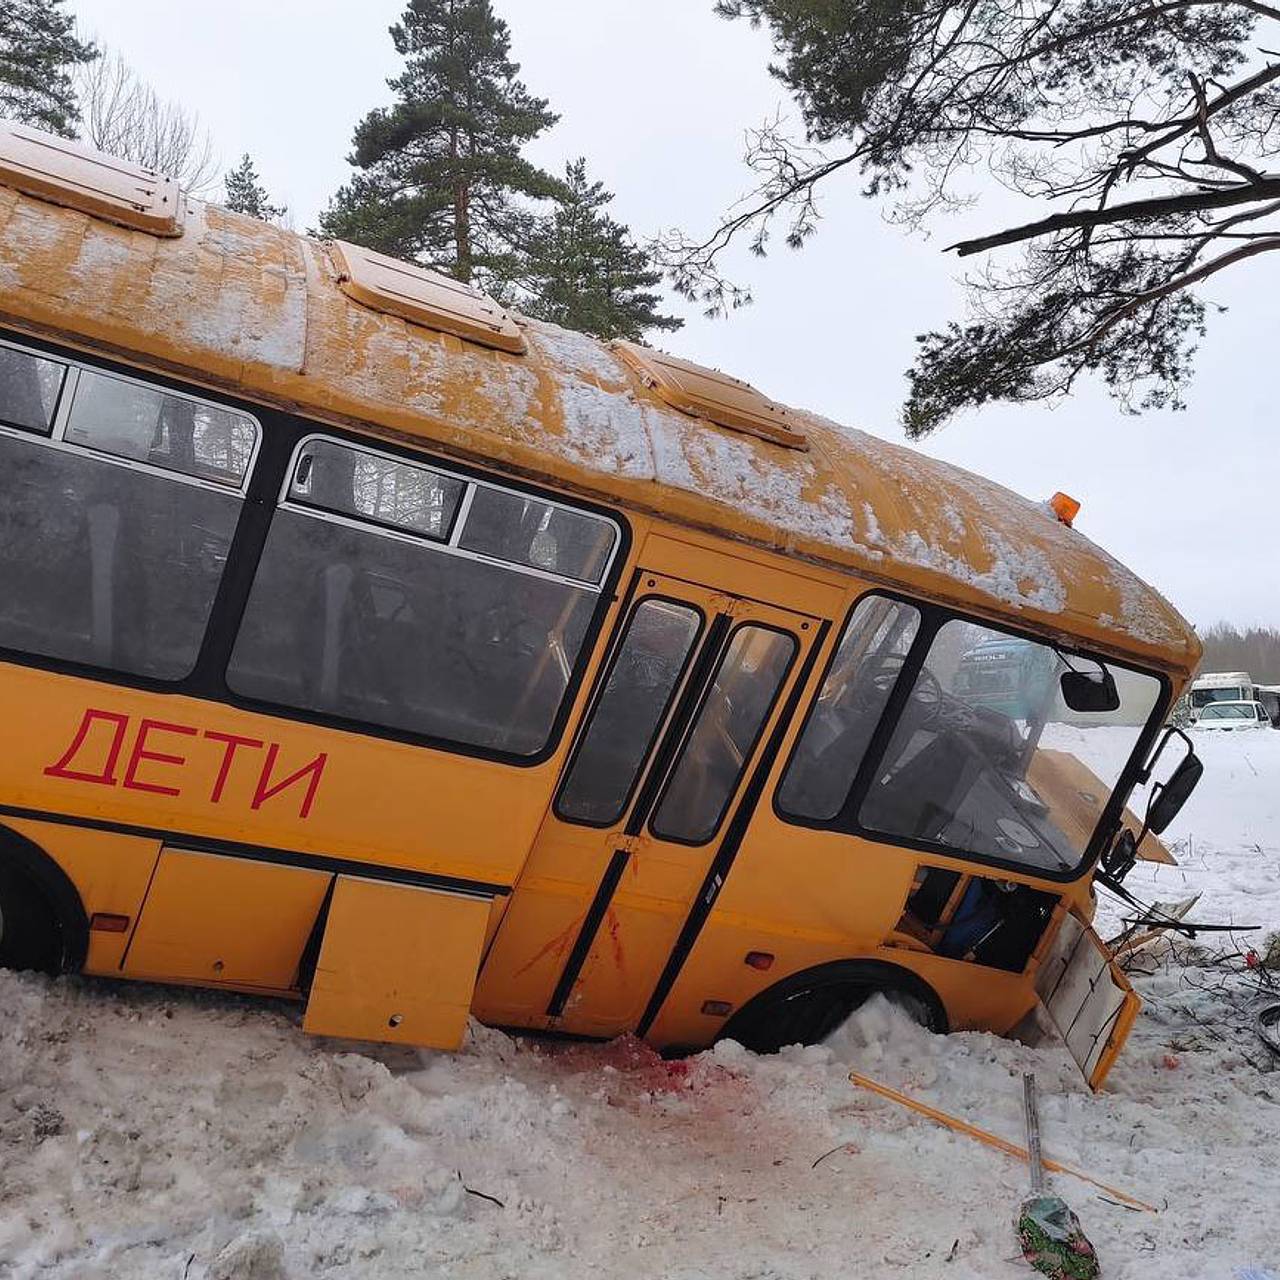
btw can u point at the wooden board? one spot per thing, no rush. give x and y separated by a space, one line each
1076 795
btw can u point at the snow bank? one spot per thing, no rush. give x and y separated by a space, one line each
167 1133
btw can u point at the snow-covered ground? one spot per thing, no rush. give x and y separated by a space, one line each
147 1132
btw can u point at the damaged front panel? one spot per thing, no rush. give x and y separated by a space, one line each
977 919
1087 997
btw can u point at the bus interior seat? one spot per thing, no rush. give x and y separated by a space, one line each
944 770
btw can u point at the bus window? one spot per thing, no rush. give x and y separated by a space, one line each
724 735
111 565
862 675
29 389
381 627
127 420
542 535
355 482
627 716
980 757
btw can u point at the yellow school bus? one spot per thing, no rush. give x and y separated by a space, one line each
367 644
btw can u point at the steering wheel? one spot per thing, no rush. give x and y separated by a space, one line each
927 697
873 685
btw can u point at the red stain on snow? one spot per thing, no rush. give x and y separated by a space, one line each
638 1071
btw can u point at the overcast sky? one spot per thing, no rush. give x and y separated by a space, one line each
657 97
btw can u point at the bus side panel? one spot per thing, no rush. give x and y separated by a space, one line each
810 897
226 921
171 763
541 925
110 873
717 977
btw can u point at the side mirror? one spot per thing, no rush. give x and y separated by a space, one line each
1093 691
1167 800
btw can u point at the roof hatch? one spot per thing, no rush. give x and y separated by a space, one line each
67 173
425 297
707 393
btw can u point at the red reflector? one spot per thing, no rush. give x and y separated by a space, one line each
717 1008
105 923
759 959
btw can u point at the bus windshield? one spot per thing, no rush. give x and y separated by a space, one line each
985 757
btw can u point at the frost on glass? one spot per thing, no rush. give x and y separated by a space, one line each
353 623
528 531
143 424
629 712
400 495
106 565
728 724
853 698
29 387
986 756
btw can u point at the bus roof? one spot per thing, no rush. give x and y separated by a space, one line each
241 305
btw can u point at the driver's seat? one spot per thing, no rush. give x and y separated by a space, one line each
920 799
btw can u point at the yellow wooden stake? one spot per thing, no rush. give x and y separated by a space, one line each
991 1139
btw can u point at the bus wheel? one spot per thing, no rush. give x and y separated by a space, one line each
807 1007
30 933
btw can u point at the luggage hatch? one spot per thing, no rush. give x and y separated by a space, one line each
220 920
398 963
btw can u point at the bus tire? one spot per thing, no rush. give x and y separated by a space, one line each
43 926
808 1006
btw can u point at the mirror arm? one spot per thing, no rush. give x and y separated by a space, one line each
1144 775
1146 826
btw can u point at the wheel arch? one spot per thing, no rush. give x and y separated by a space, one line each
875 974
54 885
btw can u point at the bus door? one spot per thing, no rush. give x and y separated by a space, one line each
692 688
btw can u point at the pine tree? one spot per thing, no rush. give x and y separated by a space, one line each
246 194
38 47
588 273
441 179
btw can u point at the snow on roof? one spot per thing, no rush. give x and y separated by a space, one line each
242 304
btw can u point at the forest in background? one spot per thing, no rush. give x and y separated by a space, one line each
1252 649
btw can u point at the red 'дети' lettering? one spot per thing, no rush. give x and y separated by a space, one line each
265 792
233 743
140 753
107 776
143 753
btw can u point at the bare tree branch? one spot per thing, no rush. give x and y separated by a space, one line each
1267 185
123 116
1156 122
1132 305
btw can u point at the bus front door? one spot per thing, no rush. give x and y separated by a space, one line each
691 691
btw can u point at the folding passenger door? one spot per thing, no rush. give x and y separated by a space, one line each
692 690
